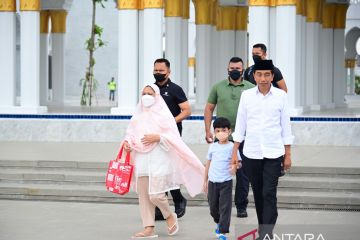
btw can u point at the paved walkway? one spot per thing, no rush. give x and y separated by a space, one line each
329 156
35 220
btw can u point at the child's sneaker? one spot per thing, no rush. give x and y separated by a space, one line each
222 236
217 231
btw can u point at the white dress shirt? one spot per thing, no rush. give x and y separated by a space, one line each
264 123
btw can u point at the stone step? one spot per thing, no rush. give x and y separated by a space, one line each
73 176
300 183
288 199
101 166
307 171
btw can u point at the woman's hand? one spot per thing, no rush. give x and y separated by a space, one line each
150 138
127 146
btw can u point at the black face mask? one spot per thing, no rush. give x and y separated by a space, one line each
159 77
235 74
256 58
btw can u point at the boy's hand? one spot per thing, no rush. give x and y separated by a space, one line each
205 186
233 169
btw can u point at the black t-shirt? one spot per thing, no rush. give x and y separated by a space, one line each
248 75
173 95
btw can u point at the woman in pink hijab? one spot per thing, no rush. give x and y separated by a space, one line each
162 160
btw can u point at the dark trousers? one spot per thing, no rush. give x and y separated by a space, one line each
112 95
220 203
242 186
264 175
177 197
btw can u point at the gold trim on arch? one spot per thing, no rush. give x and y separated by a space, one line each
313 10
259 2
226 18
328 15
203 12
29 5
340 16
350 63
300 7
285 2
8 6
127 4
242 15
174 8
191 62
186 9
44 21
58 21
153 4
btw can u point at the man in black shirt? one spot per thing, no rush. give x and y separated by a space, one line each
179 106
259 53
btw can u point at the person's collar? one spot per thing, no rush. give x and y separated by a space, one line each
166 84
270 91
240 84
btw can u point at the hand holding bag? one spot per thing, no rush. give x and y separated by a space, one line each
118 177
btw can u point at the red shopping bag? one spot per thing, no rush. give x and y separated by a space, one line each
119 174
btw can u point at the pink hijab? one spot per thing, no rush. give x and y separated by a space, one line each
158 119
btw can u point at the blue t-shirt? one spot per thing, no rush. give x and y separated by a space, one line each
220 157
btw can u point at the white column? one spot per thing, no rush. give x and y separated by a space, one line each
286 51
152 43
173 44
185 47
312 64
339 72
128 62
226 50
300 60
241 37
326 67
258 16
30 62
352 81
226 26
58 68
241 49
203 64
141 51
7 60
303 63
214 55
44 57
273 30
191 54
203 12
185 55
44 68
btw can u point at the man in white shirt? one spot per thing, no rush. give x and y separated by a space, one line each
263 121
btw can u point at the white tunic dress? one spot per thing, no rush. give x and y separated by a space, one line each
158 166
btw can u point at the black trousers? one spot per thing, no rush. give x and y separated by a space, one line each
220 203
112 95
177 197
264 175
242 186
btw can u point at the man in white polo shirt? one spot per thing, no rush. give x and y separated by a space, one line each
263 121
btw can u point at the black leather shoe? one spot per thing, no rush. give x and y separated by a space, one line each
158 215
241 214
180 208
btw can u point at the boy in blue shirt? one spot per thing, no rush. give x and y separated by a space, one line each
218 177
